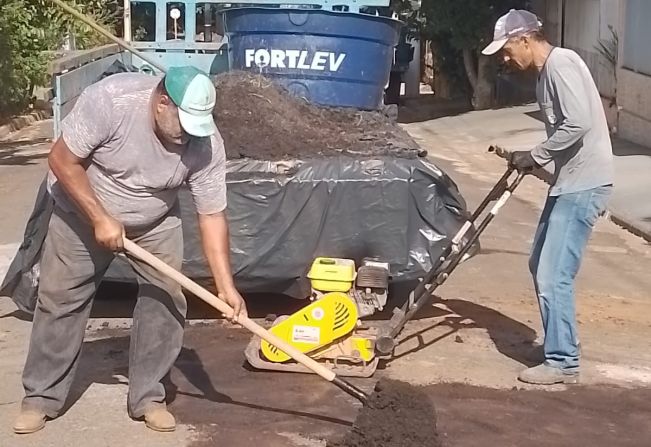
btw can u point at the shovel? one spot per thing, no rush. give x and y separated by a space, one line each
142 254
395 414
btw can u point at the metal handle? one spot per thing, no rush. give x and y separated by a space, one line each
540 173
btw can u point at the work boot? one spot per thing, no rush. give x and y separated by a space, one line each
159 419
29 421
544 374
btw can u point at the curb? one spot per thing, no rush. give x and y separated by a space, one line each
630 225
23 121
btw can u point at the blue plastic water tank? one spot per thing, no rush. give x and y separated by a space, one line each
330 58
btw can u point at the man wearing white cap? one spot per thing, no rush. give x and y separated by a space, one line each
578 151
126 148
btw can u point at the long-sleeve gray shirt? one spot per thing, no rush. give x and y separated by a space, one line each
578 141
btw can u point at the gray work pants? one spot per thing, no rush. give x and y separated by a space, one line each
72 267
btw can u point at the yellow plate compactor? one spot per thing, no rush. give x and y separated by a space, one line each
331 329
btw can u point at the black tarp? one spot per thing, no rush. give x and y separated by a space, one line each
283 214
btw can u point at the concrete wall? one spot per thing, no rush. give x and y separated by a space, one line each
552 17
634 100
626 94
633 89
586 23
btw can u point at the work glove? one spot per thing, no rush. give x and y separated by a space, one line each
523 161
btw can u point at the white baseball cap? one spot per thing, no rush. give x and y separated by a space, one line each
194 94
514 23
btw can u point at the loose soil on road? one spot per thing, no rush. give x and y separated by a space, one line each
227 403
398 414
464 352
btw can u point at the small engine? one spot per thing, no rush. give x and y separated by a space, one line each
329 328
367 287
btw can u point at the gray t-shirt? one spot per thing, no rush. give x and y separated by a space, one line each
133 175
578 141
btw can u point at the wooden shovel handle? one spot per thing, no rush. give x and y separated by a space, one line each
185 282
106 33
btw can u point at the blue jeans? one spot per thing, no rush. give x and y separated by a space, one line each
562 235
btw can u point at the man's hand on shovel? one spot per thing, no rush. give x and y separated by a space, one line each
233 298
109 233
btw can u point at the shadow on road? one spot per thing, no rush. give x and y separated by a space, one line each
17 152
18 314
623 148
14 157
15 144
494 251
192 368
511 337
429 107
106 361
537 115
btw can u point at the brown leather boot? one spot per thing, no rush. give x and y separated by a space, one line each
159 419
29 421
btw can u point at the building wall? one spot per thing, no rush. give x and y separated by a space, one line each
626 89
552 16
586 24
634 74
634 98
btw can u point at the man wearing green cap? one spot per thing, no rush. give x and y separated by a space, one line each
126 148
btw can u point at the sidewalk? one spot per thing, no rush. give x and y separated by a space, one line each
630 205
519 128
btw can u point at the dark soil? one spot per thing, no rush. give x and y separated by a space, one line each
398 415
226 403
259 119
595 416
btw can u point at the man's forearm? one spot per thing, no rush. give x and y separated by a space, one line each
568 134
71 174
216 246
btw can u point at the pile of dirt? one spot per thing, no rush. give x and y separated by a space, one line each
398 415
259 119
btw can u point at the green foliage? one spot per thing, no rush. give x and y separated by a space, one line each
609 51
608 48
468 24
409 12
457 25
20 40
30 31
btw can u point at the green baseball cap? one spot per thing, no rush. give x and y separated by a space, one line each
194 94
